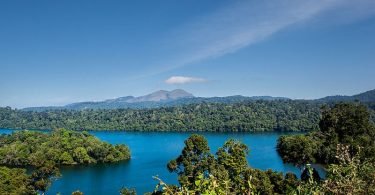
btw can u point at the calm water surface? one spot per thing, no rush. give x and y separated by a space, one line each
151 151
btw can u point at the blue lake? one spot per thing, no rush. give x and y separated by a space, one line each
151 151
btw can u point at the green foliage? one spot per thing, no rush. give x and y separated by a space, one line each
261 115
227 172
61 147
346 141
127 191
194 160
309 187
66 159
44 151
14 181
346 123
351 175
232 156
42 176
80 156
299 149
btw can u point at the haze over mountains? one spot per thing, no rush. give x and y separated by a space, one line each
161 95
180 97
157 96
368 96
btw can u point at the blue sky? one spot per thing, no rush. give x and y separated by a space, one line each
58 52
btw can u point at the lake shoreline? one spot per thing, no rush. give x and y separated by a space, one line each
150 153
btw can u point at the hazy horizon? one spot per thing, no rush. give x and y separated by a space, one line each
197 96
53 53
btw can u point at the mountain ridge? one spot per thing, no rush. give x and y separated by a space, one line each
367 96
179 97
160 95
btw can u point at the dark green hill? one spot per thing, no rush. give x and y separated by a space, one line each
366 97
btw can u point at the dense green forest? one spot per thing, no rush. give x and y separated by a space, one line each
352 171
345 124
283 115
44 152
345 143
15 181
260 115
62 147
227 172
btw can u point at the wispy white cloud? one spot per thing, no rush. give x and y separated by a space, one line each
244 23
247 22
184 80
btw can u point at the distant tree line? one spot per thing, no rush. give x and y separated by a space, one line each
280 115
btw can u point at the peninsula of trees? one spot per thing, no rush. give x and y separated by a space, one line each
61 147
44 152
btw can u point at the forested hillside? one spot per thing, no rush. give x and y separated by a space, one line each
123 103
261 115
365 97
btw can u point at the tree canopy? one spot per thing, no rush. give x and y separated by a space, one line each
62 147
346 123
280 115
226 172
15 181
43 152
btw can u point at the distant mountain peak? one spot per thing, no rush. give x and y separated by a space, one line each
178 90
163 95
160 91
177 97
